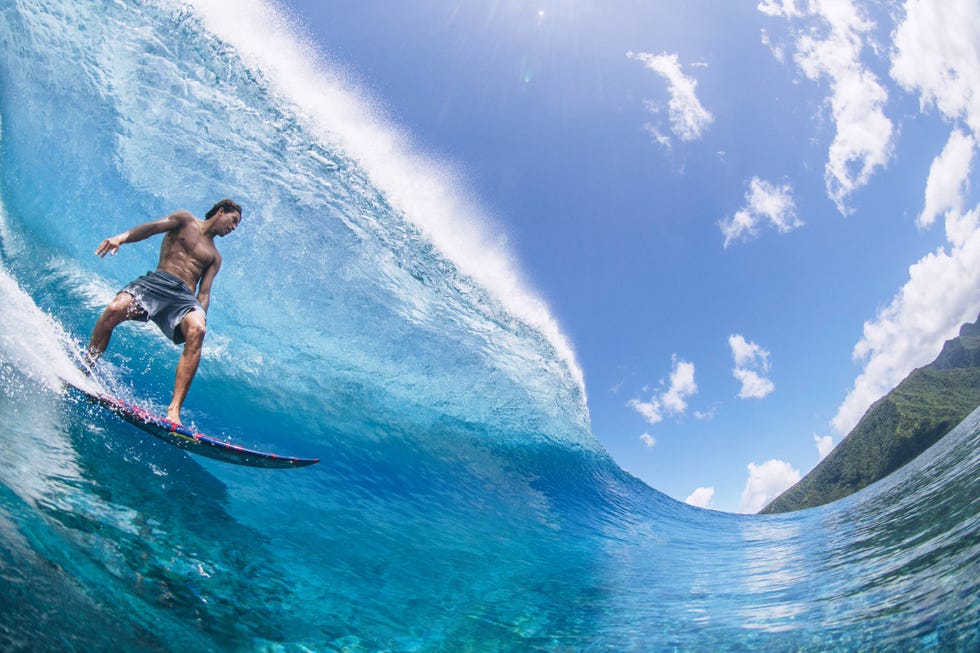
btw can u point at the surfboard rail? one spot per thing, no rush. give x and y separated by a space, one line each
180 436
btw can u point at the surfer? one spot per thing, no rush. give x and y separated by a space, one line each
189 260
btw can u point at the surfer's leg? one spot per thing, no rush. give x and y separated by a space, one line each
120 309
193 327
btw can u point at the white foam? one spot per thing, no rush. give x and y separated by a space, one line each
426 191
32 341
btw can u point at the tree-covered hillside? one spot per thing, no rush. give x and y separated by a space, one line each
898 427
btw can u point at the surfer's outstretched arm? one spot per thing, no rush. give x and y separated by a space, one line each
142 232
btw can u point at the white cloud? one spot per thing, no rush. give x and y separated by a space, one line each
701 497
777 51
706 415
754 386
660 138
674 399
688 119
650 410
648 440
765 203
942 293
948 181
682 385
747 353
937 53
863 142
786 8
751 363
766 482
824 444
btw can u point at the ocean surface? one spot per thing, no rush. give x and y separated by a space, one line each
462 502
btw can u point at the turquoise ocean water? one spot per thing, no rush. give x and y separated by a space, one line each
462 504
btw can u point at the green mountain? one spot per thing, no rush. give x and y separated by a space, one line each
898 427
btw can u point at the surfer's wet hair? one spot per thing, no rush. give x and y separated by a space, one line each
227 205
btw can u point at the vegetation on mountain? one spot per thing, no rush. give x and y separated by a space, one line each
898 427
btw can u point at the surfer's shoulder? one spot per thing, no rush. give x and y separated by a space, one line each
182 216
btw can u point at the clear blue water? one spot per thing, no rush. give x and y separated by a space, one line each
462 504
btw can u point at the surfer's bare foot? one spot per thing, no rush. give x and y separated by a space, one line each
173 414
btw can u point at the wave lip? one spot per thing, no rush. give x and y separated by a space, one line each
426 192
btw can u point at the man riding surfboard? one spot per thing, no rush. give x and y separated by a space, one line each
189 260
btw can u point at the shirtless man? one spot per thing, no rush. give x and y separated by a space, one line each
188 260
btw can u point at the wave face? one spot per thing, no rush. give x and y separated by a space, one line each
462 502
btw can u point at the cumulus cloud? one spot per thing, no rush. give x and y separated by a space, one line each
673 400
766 482
688 119
701 497
947 186
765 203
682 385
651 410
948 179
863 142
754 386
824 444
751 364
937 54
648 440
942 293
747 353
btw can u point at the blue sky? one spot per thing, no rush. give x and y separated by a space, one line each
749 219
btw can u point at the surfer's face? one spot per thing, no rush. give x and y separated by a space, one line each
228 221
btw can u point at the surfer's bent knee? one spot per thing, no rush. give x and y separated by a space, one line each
194 328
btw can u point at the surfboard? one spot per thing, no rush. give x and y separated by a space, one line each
187 439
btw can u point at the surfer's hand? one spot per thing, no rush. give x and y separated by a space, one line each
109 246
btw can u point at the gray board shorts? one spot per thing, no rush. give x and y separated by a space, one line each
166 299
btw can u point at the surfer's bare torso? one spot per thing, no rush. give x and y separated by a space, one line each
187 252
